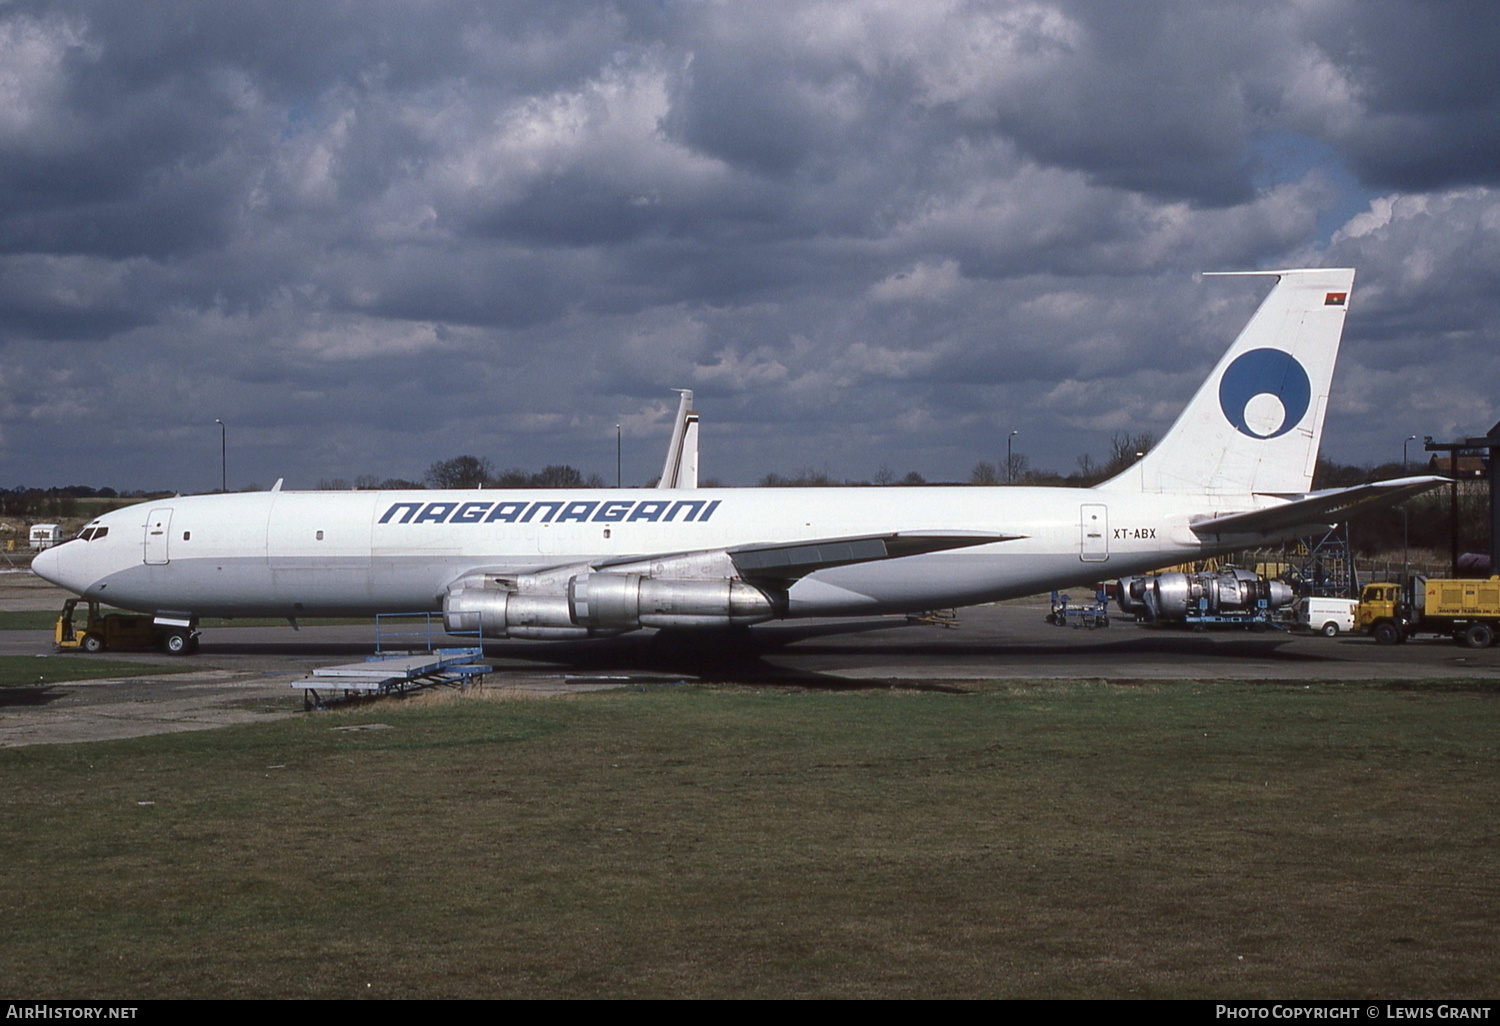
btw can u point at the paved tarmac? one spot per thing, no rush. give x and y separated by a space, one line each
248 674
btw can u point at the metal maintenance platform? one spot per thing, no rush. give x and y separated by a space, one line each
406 658
392 674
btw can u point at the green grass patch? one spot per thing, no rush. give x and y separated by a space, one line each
28 620
32 671
1018 840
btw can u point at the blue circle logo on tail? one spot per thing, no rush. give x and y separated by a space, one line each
1265 393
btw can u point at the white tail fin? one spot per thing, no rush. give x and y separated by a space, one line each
681 468
1255 424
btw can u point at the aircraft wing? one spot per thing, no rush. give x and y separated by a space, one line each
774 563
1332 506
790 561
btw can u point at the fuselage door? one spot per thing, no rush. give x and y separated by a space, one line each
158 531
1093 531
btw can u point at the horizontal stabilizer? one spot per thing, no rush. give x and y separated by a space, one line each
790 561
1332 506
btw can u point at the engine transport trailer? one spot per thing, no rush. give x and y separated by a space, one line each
96 631
1466 611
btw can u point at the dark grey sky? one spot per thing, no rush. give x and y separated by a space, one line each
372 236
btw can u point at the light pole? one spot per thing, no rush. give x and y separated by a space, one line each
617 455
223 456
1010 466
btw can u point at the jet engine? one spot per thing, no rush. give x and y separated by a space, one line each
1130 593
1174 596
592 605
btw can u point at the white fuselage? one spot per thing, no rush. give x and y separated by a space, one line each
582 563
295 554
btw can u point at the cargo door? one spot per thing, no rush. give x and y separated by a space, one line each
158 533
1093 530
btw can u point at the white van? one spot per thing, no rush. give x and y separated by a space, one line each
1327 616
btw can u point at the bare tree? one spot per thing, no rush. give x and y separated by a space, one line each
460 472
558 476
1125 449
807 477
1017 466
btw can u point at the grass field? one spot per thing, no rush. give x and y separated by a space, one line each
1047 839
30 671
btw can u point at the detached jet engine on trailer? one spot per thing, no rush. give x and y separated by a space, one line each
1223 598
1234 471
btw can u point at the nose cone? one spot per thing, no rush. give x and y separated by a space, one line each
49 565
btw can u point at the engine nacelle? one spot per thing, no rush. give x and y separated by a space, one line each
603 604
1130 594
496 613
629 601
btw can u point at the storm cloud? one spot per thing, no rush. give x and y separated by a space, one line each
369 237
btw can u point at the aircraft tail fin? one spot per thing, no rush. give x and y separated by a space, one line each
1254 426
681 467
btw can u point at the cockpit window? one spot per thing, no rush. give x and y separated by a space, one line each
93 533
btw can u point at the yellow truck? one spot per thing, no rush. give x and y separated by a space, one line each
96 632
1466 611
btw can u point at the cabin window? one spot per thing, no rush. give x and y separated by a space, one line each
187 535
320 536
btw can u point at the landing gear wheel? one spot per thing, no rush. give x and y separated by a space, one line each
1330 630
177 643
1386 634
1479 635
92 643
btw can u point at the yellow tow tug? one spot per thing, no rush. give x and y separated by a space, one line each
97 632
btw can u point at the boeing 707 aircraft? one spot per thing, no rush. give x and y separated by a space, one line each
1235 470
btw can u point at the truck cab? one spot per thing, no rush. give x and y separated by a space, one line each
1380 613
